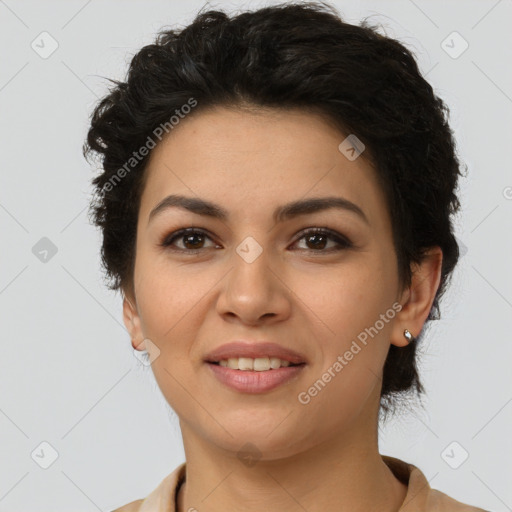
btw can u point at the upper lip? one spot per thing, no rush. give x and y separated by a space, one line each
253 350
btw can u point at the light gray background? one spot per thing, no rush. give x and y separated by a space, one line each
67 373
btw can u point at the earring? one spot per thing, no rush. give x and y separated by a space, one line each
408 336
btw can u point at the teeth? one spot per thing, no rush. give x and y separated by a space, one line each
259 364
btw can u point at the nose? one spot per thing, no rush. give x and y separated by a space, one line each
254 291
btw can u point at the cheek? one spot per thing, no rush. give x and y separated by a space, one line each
351 316
169 312
346 299
169 296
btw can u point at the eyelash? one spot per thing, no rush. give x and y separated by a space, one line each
342 241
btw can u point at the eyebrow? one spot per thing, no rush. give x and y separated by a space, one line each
285 212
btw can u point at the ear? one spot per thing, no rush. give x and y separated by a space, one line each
417 299
132 322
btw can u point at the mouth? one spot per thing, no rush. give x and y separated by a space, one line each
258 356
258 364
261 378
254 367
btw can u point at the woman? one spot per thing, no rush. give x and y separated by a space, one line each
276 206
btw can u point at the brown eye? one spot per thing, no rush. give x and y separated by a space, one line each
317 240
191 240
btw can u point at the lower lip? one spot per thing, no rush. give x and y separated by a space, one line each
250 381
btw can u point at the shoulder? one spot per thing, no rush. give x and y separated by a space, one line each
420 496
440 501
133 506
162 498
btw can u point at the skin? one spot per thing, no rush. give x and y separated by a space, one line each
314 300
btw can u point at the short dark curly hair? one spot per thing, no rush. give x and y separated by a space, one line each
288 56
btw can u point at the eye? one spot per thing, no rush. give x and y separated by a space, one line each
192 239
318 237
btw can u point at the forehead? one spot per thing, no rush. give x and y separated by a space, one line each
269 134
255 160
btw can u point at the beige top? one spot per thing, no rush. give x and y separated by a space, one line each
419 498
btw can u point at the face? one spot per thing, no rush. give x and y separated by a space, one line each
257 277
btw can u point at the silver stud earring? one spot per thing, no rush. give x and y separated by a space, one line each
408 336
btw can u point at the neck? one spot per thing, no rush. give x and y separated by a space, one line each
343 473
